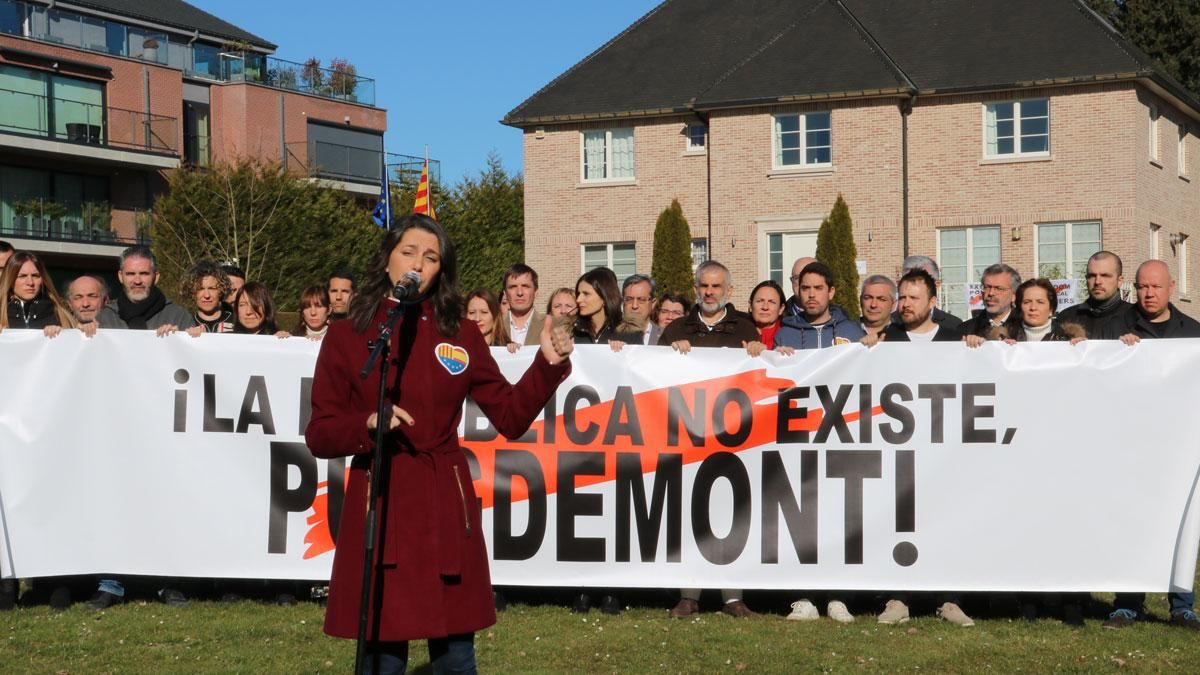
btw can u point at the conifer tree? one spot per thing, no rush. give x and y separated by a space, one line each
835 247
672 265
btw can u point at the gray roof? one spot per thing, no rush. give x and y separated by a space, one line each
177 14
707 54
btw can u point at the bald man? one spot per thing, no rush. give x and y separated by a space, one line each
1153 317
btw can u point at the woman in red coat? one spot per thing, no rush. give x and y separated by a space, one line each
432 580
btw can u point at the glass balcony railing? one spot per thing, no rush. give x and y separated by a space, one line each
357 165
73 121
42 218
196 59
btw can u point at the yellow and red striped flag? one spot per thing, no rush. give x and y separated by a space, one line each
424 201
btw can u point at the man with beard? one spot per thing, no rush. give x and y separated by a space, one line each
87 297
341 292
819 323
917 302
878 299
1153 317
141 305
1104 303
999 283
924 262
712 322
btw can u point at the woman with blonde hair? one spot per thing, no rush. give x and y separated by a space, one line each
30 299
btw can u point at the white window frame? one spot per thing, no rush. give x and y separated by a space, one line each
1181 250
1155 241
608 251
1069 243
699 244
777 145
944 299
1181 151
608 156
689 146
1016 153
1153 131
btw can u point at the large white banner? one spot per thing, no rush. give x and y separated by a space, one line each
1041 467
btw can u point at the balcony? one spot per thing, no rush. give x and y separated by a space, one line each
63 126
341 83
62 221
354 170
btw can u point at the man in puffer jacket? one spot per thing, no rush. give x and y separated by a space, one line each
819 323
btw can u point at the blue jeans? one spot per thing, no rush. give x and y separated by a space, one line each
452 654
112 586
1134 602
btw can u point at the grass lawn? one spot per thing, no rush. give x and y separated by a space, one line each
537 634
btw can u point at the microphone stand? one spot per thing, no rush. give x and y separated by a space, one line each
381 352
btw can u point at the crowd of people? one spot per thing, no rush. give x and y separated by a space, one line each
602 310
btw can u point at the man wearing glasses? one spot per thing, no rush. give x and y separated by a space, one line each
637 298
999 283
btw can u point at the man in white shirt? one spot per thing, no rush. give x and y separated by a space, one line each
520 289
637 304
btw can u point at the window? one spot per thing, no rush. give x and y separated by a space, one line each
33 102
699 252
963 254
619 257
1018 128
1182 251
696 137
1154 242
1063 250
803 140
1182 154
1153 133
608 155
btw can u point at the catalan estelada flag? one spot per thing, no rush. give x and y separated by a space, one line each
424 201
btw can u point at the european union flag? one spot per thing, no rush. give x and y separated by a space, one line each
382 215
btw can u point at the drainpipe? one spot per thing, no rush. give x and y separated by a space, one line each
906 108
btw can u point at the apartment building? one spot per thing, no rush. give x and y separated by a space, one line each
1028 132
100 98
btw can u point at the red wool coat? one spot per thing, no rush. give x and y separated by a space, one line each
434 577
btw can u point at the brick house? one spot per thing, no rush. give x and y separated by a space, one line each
976 131
99 98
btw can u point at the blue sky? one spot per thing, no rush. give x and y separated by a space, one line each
446 70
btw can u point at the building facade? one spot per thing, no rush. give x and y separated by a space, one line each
100 98
952 129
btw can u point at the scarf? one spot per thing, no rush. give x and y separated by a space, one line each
135 314
1100 309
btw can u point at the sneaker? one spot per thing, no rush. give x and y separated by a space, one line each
837 611
684 608
1186 619
803 610
582 604
172 598
1121 618
610 605
60 598
954 614
103 600
737 609
894 612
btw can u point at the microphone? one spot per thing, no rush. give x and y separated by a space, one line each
408 287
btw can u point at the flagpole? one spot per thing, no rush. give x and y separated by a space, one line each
387 204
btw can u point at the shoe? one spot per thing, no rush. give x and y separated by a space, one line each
103 600
60 598
684 608
1073 615
1186 619
1121 618
500 602
285 599
8 594
836 610
737 609
894 612
582 604
172 598
954 614
803 610
610 605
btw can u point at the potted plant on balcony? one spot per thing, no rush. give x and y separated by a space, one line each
23 211
313 75
342 79
150 49
97 219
